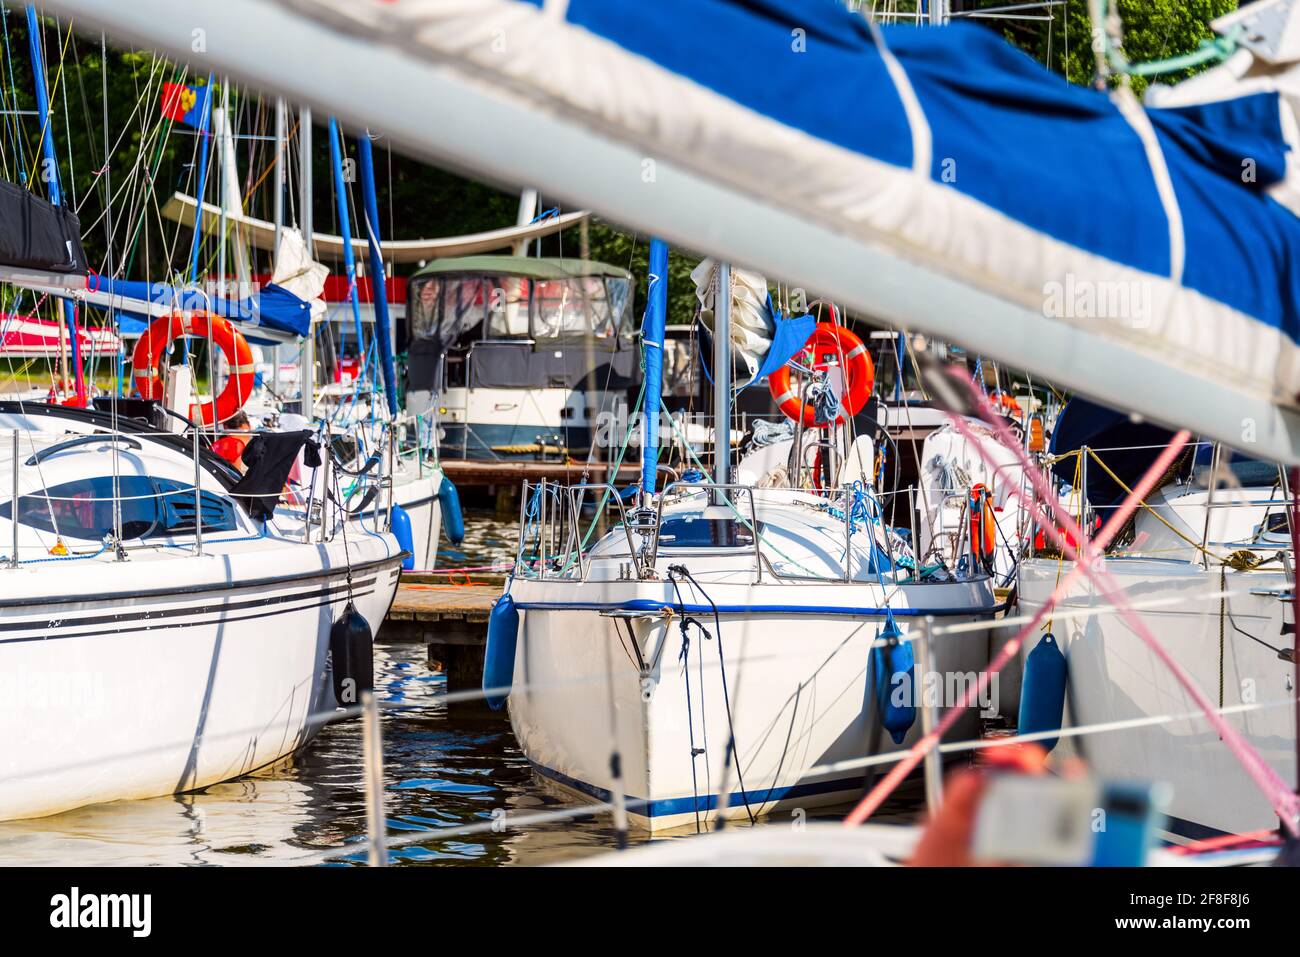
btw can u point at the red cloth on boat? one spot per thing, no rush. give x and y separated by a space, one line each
231 448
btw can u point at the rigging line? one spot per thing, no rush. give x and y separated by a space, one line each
684 657
130 177
13 87
53 92
163 135
731 755
11 114
67 122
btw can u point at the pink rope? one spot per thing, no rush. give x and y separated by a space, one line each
1280 796
1270 783
871 803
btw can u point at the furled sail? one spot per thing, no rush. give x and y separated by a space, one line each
936 179
752 322
297 272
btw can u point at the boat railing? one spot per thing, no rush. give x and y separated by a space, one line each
553 541
1222 488
373 487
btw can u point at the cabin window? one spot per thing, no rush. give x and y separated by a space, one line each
447 307
696 531
149 507
1249 472
580 306
508 304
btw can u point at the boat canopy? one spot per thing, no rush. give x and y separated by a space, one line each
1127 447
453 302
934 179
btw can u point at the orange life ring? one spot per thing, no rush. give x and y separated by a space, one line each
983 527
164 331
829 343
1005 403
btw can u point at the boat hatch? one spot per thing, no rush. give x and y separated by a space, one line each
696 531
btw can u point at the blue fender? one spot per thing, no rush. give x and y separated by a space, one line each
453 522
1042 690
499 652
894 667
404 535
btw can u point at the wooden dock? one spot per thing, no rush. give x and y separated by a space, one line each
448 616
471 473
421 602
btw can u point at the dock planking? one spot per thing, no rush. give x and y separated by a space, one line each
429 602
449 617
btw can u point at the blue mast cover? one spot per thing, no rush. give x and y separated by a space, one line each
1066 168
379 290
345 229
273 306
50 165
652 341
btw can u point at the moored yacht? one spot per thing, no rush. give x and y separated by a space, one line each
725 650
1210 573
668 641
156 636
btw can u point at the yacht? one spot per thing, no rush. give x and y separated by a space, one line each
156 635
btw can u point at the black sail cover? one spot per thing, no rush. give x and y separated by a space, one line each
35 234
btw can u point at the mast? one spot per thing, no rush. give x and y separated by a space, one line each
527 211
345 230
204 123
232 203
722 382
307 352
378 280
278 200
51 177
652 340
278 216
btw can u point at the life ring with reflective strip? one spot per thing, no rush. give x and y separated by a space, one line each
983 527
164 331
830 343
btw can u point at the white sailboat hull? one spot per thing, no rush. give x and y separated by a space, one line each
588 684
419 497
142 678
1114 677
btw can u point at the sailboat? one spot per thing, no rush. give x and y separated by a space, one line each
1210 557
712 654
163 624
935 222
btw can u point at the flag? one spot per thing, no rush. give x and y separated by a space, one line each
184 104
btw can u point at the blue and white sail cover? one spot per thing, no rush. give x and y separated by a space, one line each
949 144
1140 243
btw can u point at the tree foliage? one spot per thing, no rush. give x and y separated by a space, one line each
1152 30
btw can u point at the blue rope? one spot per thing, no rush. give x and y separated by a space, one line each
62 558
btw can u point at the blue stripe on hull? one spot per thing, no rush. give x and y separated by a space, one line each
651 607
671 807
